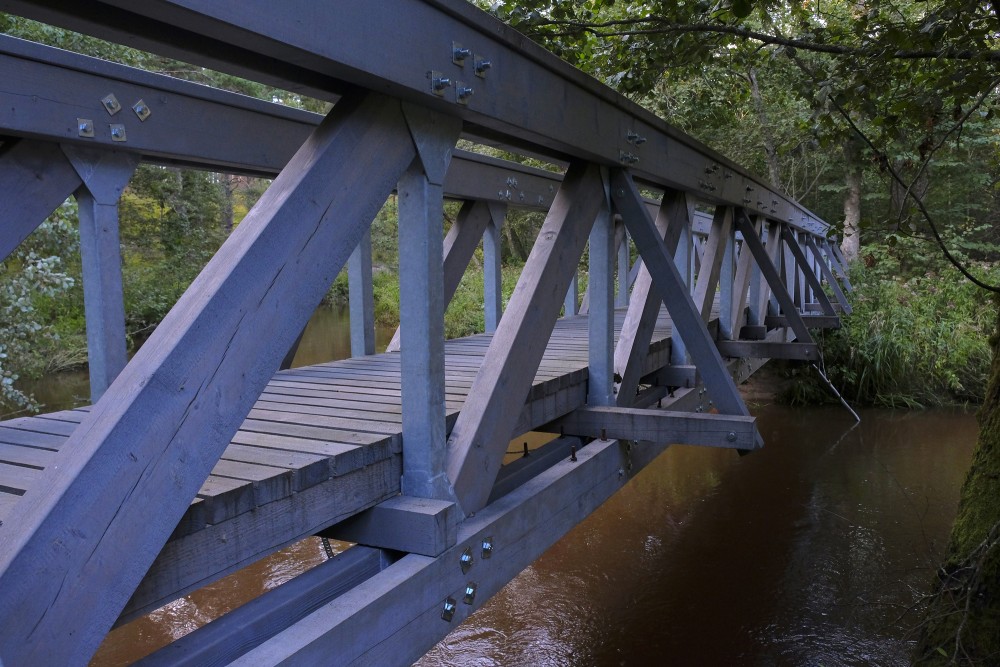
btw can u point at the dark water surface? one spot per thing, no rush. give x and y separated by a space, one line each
809 552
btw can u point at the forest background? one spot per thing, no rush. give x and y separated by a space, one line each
879 116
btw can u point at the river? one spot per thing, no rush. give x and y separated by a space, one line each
812 551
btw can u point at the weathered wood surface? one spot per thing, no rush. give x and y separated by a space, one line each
321 444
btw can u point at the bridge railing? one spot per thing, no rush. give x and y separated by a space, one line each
408 80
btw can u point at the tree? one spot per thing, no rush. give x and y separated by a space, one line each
899 86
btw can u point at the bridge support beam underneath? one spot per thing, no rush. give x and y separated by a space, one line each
659 426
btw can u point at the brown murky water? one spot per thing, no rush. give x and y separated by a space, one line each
810 552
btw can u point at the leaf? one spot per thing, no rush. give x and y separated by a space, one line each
942 651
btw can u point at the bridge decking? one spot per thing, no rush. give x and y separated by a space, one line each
332 429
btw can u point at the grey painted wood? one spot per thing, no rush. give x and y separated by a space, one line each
811 321
601 318
806 272
839 263
422 304
361 298
622 243
492 268
327 51
727 286
403 523
712 260
571 304
145 449
763 349
104 175
747 292
479 439
684 261
828 274
35 178
244 628
637 328
770 274
684 313
660 426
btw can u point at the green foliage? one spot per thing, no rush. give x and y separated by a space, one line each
913 339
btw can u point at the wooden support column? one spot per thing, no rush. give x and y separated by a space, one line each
758 305
770 274
838 263
683 311
571 301
601 318
805 270
727 278
422 303
35 178
624 255
104 175
741 287
361 298
141 454
492 268
684 261
672 219
831 279
712 260
480 436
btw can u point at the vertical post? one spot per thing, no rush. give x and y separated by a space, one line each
621 296
712 260
685 267
601 318
492 268
421 312
361 298
727 278
104 175
571 302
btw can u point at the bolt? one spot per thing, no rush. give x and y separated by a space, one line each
463 93
141 110
482 66
448 611
111 104
487 548
731 437
470 593
459 54
620 192
621 473
85 127
466 560
572 453
604 434
118 132
439 82
631 137
640 141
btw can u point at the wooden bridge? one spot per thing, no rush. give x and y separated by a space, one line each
200 456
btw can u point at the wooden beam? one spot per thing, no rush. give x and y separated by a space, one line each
571 302
145 449
422 304
403 523
104 175
659 426
672 217
839 263
811 321
711 261
685 314
831 279
741 286
601 316
250 625
770 274
493 268
760 292
763 349
624 256
727 285
484 427
35 178
805 268
361 298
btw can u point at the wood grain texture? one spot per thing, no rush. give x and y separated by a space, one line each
143 452
660 426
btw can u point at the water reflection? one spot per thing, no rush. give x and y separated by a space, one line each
804 553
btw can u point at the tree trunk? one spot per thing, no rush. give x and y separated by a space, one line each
767 136
962 623
851 243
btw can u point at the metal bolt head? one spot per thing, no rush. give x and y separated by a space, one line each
141 110
111 104
731 436
118 132
470 593
482 65
463 93
439 82
448 610
85 127
487 548
459 53
466 560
